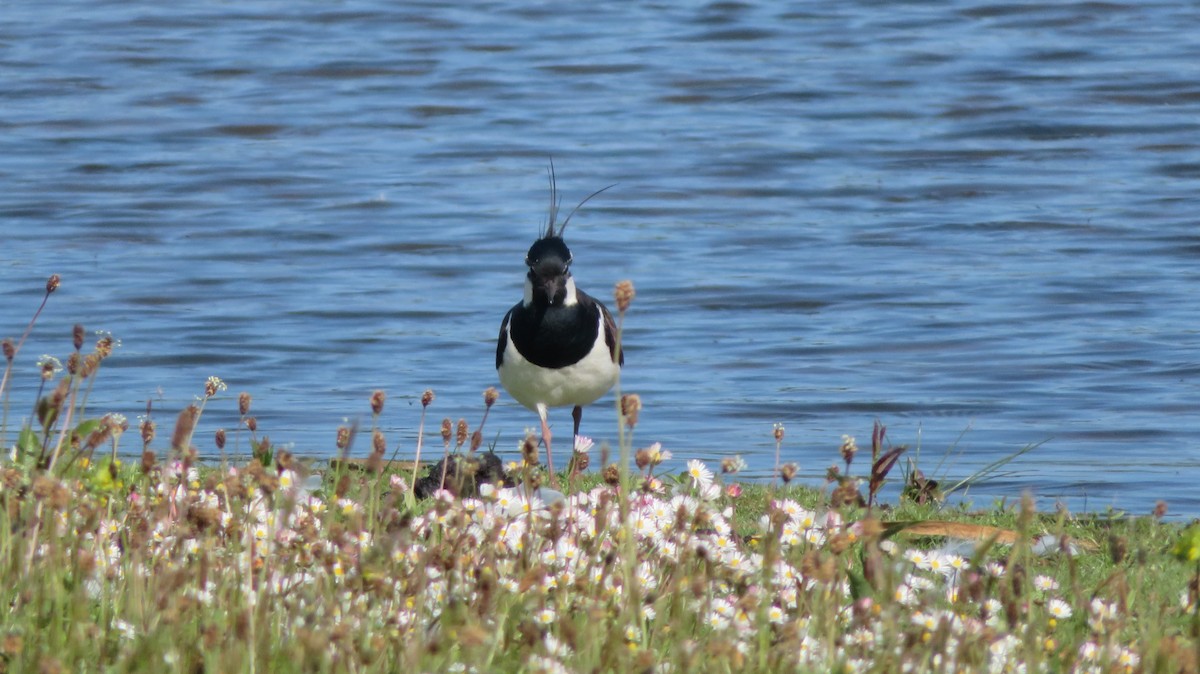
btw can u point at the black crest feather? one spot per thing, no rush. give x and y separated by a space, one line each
550 231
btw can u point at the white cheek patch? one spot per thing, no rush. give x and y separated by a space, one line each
571 299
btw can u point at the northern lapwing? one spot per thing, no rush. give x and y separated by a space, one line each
558 345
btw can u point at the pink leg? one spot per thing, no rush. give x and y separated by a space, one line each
542 412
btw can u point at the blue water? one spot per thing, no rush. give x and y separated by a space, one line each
976 222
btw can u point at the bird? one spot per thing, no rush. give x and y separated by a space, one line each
558 345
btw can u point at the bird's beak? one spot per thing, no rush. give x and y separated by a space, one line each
552 289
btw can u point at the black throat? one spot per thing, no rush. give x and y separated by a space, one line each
555 336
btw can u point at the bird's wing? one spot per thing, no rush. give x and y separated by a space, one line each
502 341
610 334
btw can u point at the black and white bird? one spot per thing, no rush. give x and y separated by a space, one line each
558 345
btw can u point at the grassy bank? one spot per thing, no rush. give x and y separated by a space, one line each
214 552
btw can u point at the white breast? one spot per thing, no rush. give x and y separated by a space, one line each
578 384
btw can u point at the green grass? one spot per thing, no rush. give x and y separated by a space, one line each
172 563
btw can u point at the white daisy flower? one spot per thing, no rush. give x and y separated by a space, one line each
583 444
1058 608
701 476
1045 583
544 617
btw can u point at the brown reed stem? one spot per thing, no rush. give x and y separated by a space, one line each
51 285
65 430
426 398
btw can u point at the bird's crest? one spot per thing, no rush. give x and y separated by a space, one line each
555 201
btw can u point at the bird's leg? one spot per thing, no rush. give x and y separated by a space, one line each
573 466
542 412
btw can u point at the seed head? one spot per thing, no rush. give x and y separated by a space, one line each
9 350
374 463
732 465
91 363
52 283
220 438
476 439
203 517
378 447
60 392
148 460
778 432
631 405
849 447
1160 509
147 429
427 397
377 399
283 460
184 425
624 295
581 462
612 475
74 361
847 493
787 472
447 431
267 482
42 487
529 450
460 433
99 435
104 346
117 423
50 366
212 385
343 437
252 424
243 403
642 458
77 336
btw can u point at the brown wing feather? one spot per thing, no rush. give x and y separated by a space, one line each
610 335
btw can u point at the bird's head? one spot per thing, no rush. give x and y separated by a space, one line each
549 282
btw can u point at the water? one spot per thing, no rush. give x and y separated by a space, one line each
973 221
